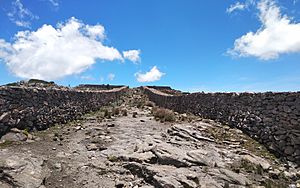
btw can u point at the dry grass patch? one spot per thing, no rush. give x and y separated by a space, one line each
163 114
115 111
124 112
5 143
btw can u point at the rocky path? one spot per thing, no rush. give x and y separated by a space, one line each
132 149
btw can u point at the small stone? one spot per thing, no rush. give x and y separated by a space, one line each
111 125
4 117
53 148
120 184
298 174
77 128
237 178
57 166
91 147
14 137
257 161
134 115
289 150
287 109
274 174
289 175
15 130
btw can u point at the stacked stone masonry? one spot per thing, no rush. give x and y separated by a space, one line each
39 108
98 87
273 119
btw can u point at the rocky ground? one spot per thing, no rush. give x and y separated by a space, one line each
125 146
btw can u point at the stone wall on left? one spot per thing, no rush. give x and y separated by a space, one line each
39 108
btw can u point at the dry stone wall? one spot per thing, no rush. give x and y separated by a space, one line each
39 108
271 118
98 87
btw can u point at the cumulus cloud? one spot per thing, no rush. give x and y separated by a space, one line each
20 15
153 75
96 31
277 35
51 53
111 76
132 55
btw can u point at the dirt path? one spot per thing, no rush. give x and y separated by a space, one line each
127 151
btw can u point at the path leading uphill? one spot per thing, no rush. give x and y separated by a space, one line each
125 146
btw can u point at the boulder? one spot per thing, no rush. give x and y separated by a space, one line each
204 157
21 170
14 137
257 161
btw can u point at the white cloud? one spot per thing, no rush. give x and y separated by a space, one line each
51 53
111 76
96 31
240 6
277 35
20 15
132 55
5 48
54 2
153 75
236 6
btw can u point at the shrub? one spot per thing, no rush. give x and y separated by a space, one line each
163 114
124 112
140 104
116 111
112 158
26 132
6 143
107 114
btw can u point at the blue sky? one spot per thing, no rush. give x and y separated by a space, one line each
190 45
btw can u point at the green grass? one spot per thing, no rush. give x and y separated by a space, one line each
26 132
112 158
6 143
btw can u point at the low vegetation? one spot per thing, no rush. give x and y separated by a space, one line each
112 158
164 115
115 111
124 112
5 143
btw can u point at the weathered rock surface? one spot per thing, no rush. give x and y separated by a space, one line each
22 170
270 118
133 153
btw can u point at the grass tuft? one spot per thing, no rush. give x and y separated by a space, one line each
112 158
6 143
164 115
